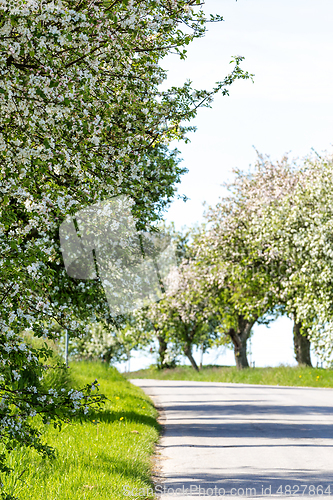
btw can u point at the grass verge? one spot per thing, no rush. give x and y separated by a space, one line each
95 460
281 375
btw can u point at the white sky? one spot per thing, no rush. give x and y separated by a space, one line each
288 45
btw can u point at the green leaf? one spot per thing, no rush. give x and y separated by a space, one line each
41 93
67 101
85 127
46 143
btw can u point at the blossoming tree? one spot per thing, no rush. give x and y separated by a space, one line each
295 230
270 243
236 280
82 119
182 318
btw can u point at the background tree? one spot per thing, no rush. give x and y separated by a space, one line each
287 207
299 230
237 285
185 310
154 317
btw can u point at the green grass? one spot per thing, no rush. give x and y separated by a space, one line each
281 375
94 460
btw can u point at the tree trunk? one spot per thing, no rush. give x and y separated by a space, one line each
108 356
201 356
301 346
188 353
239 339
162 348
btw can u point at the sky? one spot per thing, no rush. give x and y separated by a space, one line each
288 46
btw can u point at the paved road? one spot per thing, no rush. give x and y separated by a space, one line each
233 437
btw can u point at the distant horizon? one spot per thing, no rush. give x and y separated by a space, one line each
267 350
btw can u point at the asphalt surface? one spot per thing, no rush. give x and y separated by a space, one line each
243 440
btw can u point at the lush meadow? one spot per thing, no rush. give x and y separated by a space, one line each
281 375
97 459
